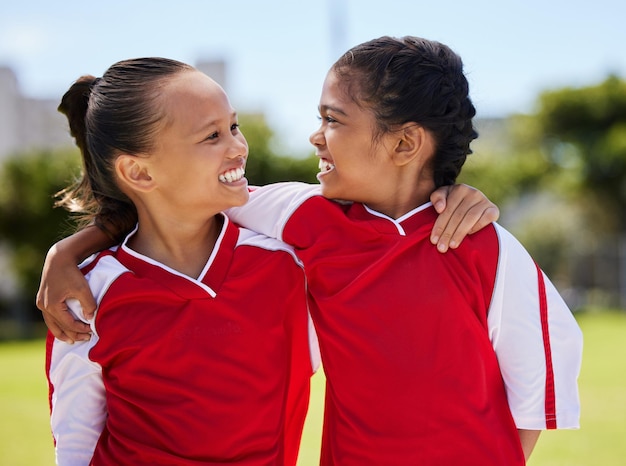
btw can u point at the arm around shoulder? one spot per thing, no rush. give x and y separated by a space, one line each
61 280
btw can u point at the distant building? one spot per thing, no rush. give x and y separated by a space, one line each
27 123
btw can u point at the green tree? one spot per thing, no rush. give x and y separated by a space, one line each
510 167
584 130
264 165
28 222
507 161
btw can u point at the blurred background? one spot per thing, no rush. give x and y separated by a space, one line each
548 80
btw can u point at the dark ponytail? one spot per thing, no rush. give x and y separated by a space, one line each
108 116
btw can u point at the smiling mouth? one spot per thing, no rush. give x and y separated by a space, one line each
231 176
325 166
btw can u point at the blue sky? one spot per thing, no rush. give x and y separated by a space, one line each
278 51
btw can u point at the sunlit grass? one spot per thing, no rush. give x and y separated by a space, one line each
25 438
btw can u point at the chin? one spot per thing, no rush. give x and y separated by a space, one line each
328 192
240 200
324 189
245 196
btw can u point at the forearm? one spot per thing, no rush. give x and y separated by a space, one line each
81 244
528 438
61 280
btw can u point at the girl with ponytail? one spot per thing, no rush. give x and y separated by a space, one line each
191 358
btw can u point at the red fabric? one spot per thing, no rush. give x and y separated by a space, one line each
49 343
550 395
193 379
412 377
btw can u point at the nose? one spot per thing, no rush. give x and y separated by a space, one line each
317 137
238 148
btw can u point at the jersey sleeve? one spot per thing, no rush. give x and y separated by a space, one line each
77 401
537 341
270 207
76 389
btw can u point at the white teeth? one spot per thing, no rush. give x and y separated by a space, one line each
325 166
232 175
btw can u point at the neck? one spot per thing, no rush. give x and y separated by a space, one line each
184 246
404 197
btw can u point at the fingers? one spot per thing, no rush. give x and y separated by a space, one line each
467 210
438 198
474 219
62 323
82 293
449 233
67 328
450 197
489 214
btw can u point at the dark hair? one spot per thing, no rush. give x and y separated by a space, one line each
117 113
411 79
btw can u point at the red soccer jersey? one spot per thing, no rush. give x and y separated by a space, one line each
415 343
188 372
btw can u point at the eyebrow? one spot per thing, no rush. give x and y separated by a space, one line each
210 123
326 108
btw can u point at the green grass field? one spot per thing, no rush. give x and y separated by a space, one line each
25 435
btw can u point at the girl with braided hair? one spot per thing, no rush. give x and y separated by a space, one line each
430 359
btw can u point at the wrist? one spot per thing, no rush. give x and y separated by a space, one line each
65 251
76 248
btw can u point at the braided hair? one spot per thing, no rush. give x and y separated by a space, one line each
411 79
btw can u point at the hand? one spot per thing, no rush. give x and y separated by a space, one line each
60 280
462 210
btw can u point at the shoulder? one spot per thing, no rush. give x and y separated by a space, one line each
101 271
264 244
496 242
485 242
292 196
510 247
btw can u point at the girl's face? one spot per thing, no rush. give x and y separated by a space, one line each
353 167
199 159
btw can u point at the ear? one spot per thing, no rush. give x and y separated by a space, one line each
133 172
414 142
